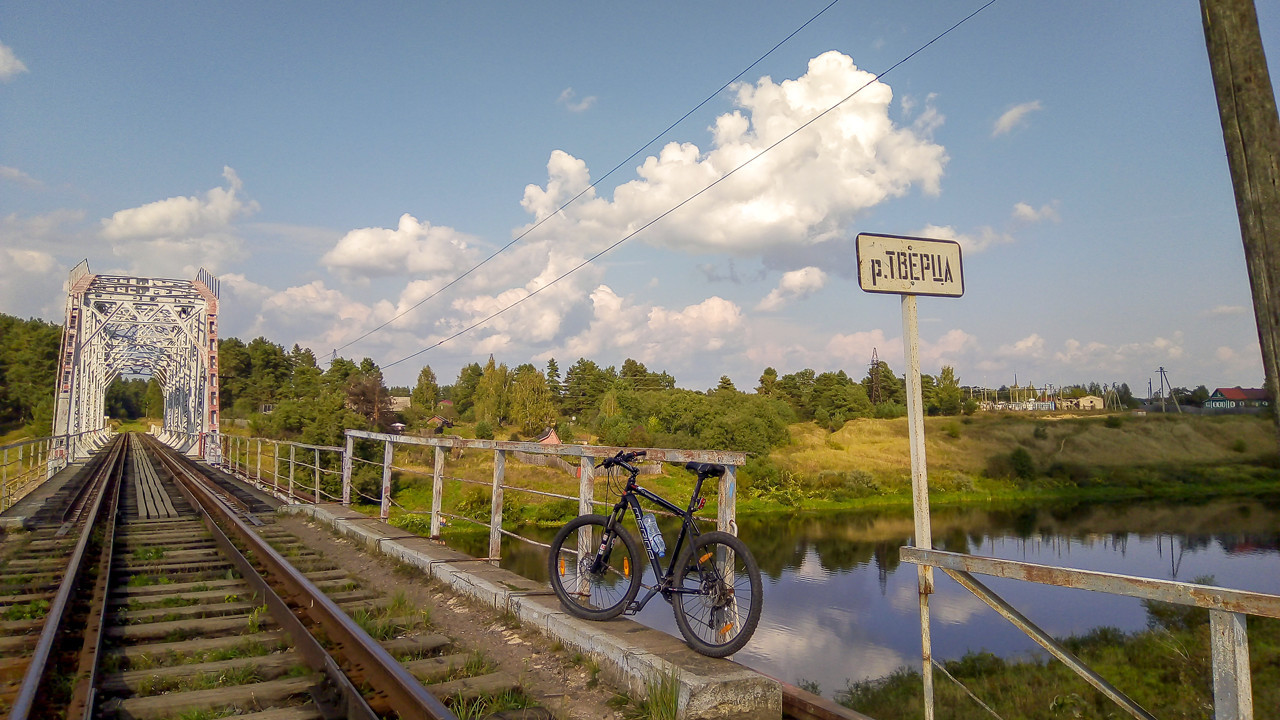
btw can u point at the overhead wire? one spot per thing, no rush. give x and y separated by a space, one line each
694 196
592 186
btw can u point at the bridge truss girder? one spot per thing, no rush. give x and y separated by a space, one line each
117 326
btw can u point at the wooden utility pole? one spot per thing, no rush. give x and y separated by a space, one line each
1251 130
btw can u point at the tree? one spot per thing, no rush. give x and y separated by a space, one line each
796 388
892 388
768 379
532 409
725 384
948 393
154 404
426 393
464 390
553 380
491 394
585 383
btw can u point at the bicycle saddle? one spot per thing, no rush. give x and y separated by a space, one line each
705 469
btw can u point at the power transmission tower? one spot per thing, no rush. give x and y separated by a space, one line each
875 377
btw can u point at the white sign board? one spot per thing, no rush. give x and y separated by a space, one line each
909 265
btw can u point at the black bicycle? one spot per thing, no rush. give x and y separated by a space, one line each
711 580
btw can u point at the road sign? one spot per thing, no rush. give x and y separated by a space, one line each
909 265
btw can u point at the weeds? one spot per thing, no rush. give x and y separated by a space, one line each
149 554
33 610
662 697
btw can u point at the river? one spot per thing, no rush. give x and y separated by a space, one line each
839 605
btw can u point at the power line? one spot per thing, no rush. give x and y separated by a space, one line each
697 194
592 186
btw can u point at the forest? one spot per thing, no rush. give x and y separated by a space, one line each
285 393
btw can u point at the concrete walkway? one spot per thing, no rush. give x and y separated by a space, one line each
630 654
20 515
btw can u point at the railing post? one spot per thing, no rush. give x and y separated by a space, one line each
388 451
437 492
1232 688
727 507
346 472
317 477
259 473
293 454
586 493
495 513
275 466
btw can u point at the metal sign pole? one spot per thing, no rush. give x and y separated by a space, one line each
912 266
919 488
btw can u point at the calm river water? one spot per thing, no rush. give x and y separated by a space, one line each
839 605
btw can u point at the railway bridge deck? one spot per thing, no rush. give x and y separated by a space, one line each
623 653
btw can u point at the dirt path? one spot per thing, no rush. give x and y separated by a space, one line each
561 681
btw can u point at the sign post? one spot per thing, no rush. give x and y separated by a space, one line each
910 266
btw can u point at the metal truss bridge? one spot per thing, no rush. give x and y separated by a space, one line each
120 326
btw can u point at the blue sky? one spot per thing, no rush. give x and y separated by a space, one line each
336 163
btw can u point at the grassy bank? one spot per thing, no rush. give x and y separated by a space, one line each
1166 668
985 461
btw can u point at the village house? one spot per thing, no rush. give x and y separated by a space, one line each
1237 397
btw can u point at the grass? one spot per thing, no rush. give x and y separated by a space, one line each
486 705
242 675
148 554
662 698
244 649
33 610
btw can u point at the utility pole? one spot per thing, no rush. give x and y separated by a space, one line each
1251 131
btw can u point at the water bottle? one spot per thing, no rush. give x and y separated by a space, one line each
655 537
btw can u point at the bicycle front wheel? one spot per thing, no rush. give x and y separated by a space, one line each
718 594
595 571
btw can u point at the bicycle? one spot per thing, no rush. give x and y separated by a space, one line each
712 583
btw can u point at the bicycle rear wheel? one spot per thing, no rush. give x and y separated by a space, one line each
719 608
595 572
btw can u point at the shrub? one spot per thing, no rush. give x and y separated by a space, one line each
484 431
1024 468
1041 432
475 503
1239 445
1113 421
952 429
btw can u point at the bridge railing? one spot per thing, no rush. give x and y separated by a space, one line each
1229 642
583 459
293 471
26 464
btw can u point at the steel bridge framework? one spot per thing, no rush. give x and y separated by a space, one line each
121 326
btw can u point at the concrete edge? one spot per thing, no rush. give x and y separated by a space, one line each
740 693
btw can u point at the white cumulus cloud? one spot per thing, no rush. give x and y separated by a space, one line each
801 192
1013 117
10 65
1026 213
795 285
180 217
412 247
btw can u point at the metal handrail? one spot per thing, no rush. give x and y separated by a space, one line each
1227 610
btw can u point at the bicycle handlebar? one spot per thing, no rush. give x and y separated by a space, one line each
622 458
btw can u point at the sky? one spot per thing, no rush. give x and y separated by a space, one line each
335 164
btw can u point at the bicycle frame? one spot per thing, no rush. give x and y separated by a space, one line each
688 531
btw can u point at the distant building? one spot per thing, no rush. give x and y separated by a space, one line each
1091 402
549 437
397 428
399 404
1238 397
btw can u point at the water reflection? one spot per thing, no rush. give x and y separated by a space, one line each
840 605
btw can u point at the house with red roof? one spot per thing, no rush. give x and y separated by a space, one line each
1238 397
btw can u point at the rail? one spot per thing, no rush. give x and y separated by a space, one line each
26 464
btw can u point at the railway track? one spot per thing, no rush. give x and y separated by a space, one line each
158 593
